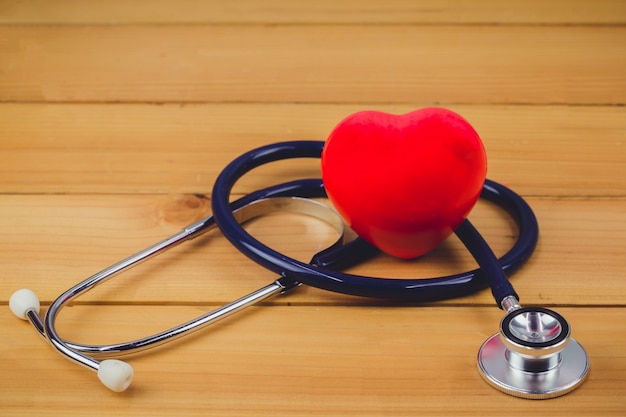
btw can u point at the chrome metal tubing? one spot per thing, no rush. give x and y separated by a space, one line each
92 282
78 352
166 336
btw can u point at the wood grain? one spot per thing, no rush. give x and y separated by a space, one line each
287 360
52 242
141 148
116 117
321 11
329 63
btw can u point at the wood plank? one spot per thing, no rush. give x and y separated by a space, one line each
344 361
51 242
116 117
321 11
135 148
326 63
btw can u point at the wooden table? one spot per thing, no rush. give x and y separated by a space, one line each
116 117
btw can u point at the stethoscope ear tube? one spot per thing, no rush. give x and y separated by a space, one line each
117 375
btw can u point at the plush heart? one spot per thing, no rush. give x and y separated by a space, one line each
404 182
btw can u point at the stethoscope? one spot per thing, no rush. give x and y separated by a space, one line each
533 355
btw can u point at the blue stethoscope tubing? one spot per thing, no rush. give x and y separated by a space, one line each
322 271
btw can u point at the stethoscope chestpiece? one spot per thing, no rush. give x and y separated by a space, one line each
533 356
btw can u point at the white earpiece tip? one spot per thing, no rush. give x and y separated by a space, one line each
22 301
116 375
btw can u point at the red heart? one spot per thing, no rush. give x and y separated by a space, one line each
404 183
